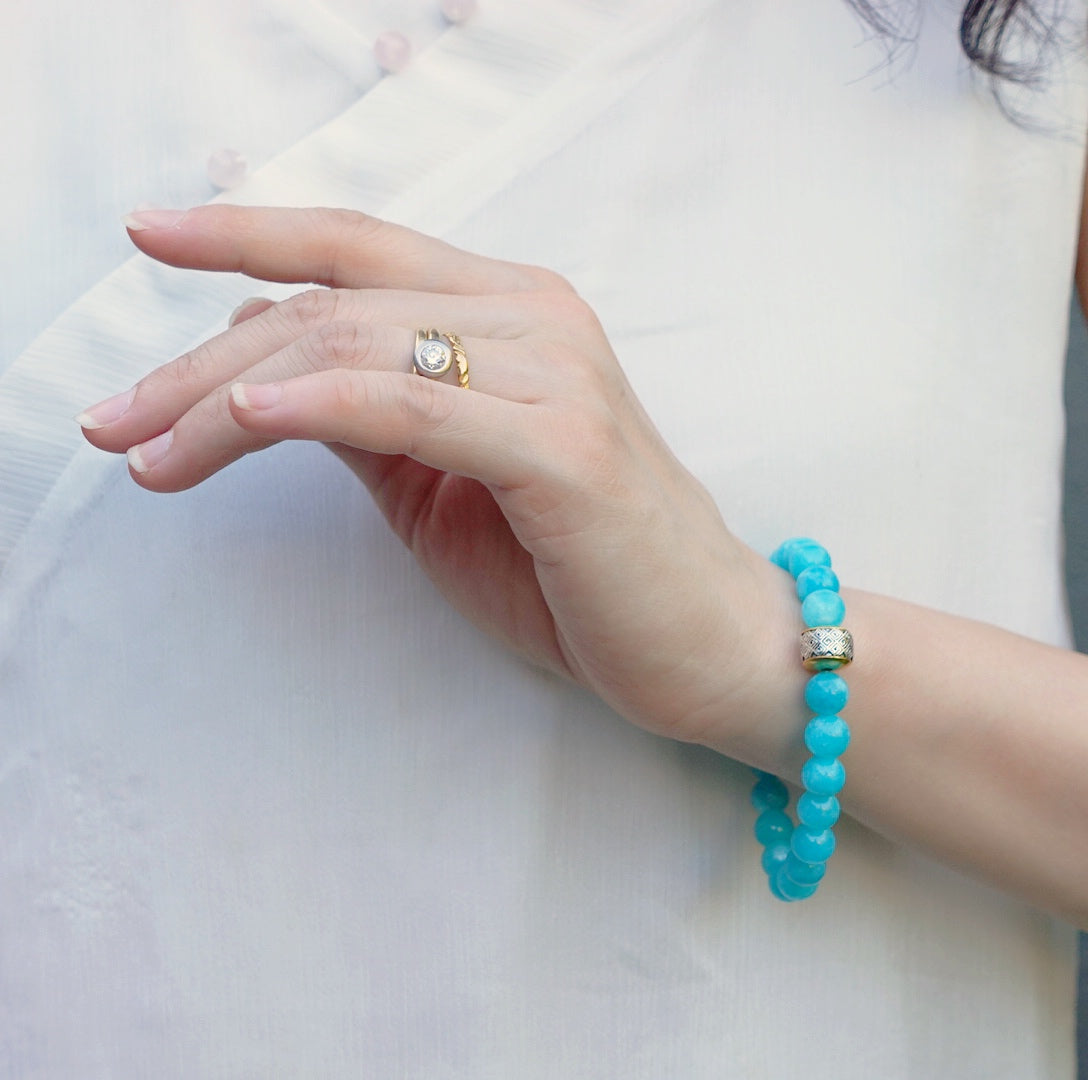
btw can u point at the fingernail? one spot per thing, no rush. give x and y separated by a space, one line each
153 219
242 306
250 396
149 454
106 412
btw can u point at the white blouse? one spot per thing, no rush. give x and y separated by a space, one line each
269 807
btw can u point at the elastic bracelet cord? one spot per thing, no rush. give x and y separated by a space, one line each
795 856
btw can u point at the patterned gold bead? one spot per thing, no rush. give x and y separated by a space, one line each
824 648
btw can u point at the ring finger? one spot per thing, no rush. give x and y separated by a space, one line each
160 398
206 438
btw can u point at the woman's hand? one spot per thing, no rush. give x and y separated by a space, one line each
542 501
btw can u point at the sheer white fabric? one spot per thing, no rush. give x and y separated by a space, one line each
269 807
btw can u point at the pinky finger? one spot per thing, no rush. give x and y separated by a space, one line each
439 425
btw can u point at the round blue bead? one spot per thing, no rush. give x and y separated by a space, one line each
804 873
823 608
781 554
818 811
776 892
790 889
823 776
812 845
804 555
827 736
816 577
773 857
773 827
826 693
770 794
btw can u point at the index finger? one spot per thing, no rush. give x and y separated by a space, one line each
338 248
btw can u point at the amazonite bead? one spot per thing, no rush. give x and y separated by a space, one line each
773 827
827 736
804 873
816 577
818 811
802 556
776 892
769 793
781 554
824 776
826 693
790 889
823 608
773 857
812 845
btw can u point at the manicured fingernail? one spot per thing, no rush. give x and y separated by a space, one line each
242 306
149 454
106 412
153 219
250 396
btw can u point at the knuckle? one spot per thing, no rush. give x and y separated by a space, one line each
310 309
338 344
189 368
545 280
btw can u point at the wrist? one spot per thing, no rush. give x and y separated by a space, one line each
759 718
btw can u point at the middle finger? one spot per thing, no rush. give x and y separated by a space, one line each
206 438
158 400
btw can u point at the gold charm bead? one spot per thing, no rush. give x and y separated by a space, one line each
824 648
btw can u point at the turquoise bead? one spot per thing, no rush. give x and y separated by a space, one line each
776 892
823 608
770 794
816 577
804 555
773 827
804 873
812 845
818 811
793 890
823 776
781 554
773 857
826 693
827 736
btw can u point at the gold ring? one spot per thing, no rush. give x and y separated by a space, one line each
461 359
432 356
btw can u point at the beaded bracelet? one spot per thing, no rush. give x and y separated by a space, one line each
795 857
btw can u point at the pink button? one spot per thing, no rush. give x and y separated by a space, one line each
226 169
457 11
392 51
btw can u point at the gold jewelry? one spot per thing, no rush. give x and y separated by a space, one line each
824 648
432 356
461 358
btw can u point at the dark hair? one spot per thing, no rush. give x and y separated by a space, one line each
1011 40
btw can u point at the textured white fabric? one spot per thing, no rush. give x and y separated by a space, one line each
269 808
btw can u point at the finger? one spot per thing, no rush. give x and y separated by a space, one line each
440 426
340 248
159 399
207 437
248 309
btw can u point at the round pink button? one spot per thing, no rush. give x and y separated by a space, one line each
457 11
392 51
226 168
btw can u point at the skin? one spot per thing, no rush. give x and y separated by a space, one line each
546 507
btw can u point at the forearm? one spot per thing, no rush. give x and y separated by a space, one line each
969 743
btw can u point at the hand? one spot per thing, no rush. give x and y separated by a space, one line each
542 501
